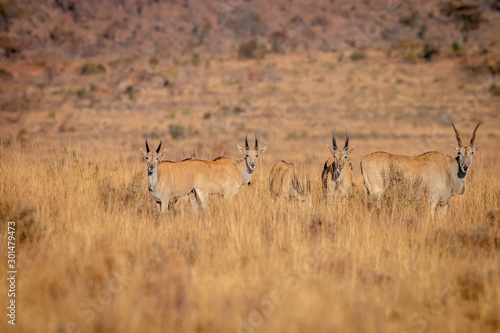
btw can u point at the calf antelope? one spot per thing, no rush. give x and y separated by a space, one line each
336 178
199 178
284 181
434 175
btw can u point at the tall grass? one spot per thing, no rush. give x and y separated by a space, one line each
95 256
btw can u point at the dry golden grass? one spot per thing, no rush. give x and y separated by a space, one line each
96 257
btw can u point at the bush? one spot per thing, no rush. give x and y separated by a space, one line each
176 131
429 51
90 68
196 60
357 55
5 74
468 15
410 20
494 89
252 25
319 20
250 49
277 39
457 49
409 50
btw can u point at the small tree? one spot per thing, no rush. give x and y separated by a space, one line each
467 16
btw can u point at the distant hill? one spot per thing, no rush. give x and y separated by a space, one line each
81 29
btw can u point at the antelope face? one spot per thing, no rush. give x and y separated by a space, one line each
152 157
340 156
466 153
465 157
251 154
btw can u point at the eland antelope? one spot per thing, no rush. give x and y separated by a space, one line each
199 178
284 181
434 175
336 178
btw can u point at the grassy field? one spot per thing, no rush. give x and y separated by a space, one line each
94 255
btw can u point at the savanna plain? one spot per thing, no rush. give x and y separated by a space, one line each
94 255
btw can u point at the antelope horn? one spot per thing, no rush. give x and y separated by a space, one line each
334 142
158 149
147 147
474 135
346 146
256 142
247 147
458 136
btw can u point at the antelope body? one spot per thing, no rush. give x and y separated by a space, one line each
434 175
198 178
284 182
336 178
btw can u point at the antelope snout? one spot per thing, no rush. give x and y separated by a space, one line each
465 168
340 169
252 166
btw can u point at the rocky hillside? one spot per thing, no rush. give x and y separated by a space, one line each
81 29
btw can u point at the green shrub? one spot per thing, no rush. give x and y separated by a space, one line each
248 49
320 20
82 93
494 89
410 20
457 49
429 51
468 15
196 60
357 55
91 68
176 131
5 74
153 61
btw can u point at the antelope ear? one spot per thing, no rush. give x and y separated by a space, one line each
350 150
476 148
243 151
454 147
162 152
261 150
143 152
330 148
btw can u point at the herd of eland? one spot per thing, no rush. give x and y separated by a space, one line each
433 176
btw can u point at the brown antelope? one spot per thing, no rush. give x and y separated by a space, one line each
336 178
199 178
284 181
434 175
